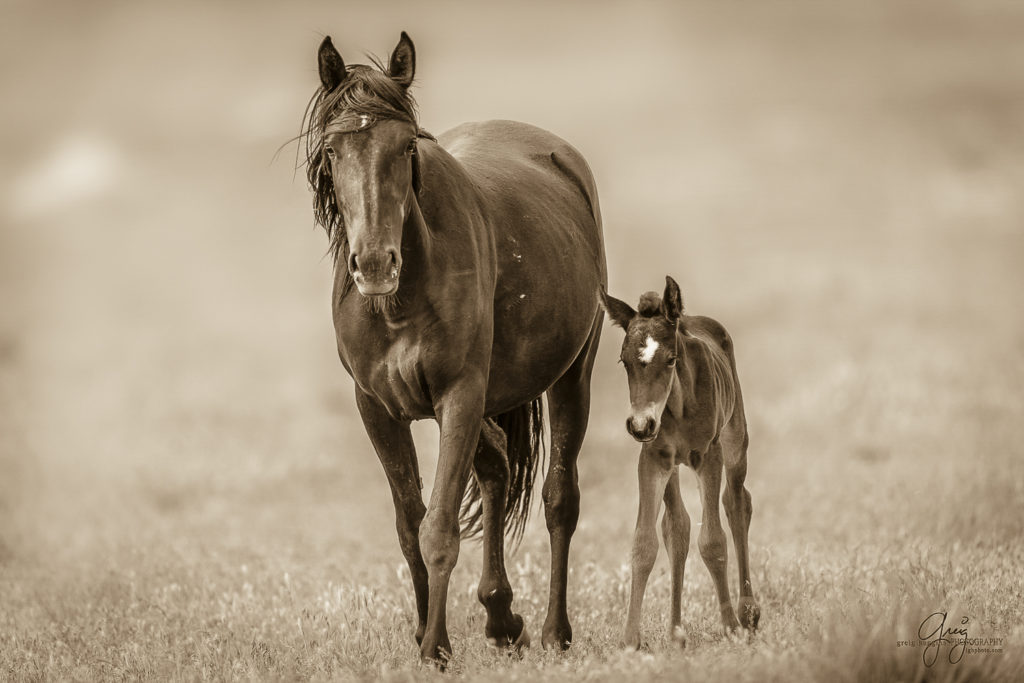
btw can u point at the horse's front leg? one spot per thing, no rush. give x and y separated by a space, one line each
654 473
459 415
393 442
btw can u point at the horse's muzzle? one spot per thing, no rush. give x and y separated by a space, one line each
642 428
376 272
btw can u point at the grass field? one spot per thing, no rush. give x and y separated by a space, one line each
186 491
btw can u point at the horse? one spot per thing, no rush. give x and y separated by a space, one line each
686 408
465 273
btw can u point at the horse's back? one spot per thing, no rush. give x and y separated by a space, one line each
722 359
519 162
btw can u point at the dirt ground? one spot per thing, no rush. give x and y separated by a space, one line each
186 490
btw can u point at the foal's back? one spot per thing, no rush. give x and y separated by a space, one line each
713 404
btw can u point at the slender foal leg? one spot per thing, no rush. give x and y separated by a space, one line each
653 475
491 468
569 408
393 442
675 529
459 416
738 510
711 541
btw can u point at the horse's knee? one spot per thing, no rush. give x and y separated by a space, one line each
713 547
439 542
561 502
645 550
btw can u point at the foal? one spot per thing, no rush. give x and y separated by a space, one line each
686 408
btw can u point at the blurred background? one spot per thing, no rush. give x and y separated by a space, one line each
839 183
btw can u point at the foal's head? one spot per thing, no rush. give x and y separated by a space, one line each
649 353
361 138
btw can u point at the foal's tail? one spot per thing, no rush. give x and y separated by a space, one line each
524 427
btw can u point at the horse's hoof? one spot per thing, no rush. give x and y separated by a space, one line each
516 643
679 637
633 643
556 637
439 655
523 641
749 613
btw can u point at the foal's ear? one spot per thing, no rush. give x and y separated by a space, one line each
619 312
332 66
402 65
672 300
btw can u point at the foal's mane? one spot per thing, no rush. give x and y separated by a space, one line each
366 91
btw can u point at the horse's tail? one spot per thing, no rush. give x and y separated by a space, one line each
524 429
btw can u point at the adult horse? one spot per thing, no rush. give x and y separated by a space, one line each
466 273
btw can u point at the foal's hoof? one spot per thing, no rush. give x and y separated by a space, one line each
749 613
679 637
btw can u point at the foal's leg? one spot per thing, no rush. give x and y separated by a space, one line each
459 415
654 474
675 529
569 408
711 541
393 442
490 465
738 509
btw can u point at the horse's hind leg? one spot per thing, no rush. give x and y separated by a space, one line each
738 509
713 546
569 407
394 445
491 468
675 529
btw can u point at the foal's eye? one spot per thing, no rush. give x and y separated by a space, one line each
672 361
329 151
410 149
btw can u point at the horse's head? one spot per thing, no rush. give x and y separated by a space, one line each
361 147
649 354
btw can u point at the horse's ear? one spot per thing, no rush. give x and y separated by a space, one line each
332 66
672 300
402 65
619 312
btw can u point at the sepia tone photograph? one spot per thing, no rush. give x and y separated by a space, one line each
535 341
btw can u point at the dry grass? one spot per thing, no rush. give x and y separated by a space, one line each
186 491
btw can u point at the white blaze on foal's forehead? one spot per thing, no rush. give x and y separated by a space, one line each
648 350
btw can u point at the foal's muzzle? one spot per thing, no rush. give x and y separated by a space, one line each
642 427
376 271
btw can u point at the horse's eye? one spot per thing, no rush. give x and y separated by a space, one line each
410 149
671 361
329 151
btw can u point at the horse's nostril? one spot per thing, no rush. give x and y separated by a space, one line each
353 265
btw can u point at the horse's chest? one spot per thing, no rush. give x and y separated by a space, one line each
390 367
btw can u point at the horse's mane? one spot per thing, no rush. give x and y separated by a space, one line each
366 91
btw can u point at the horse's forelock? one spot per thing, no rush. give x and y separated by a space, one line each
650 305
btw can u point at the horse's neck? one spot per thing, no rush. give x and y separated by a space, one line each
443 237
445 229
